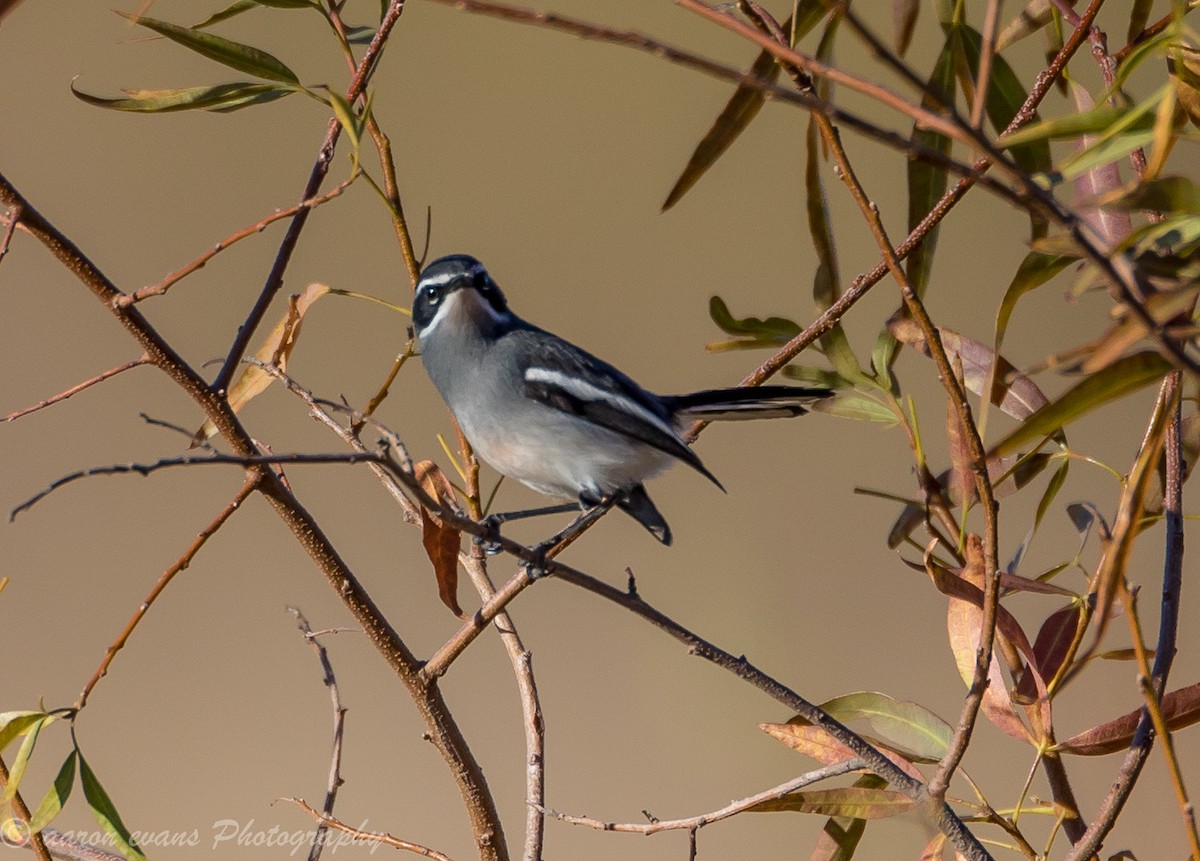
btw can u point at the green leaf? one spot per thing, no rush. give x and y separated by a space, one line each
1035 270
742 107
772 330
852 405
908 727
926 185
1164 193
1117 380
228 12
351 123
818 377
244 58
855 802
56 796
13 724
17 770
1005 96
806 14
106 813
220 98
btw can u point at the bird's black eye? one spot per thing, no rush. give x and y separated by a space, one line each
480 280
432 293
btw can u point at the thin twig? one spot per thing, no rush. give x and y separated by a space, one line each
987 52
319 170
127 299
11 219
74 390
167 576
694 823
339 725
368 837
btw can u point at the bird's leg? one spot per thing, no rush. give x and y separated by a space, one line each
491 541
537 568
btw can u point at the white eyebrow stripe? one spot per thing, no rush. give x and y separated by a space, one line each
589 392
439 280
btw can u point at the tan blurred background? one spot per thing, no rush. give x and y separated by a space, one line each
548 158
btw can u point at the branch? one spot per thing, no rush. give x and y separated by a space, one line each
320 168
127 299
370 837
74 390
339 724
167 576
34 841
440 724
695 823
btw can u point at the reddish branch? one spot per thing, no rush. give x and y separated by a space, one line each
74 390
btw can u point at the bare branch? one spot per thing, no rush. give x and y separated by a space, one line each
694 823
127 299
339 725
167 576
74 390
369 837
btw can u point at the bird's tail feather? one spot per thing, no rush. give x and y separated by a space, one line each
749 402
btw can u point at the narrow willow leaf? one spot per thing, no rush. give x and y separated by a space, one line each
1139 14
352 124
742 107
1183 66
1164 193
1035 270
1111 225
806 14
14 724
220 98
106 813
1016 394
1033 17
1051 647
1180 708
276 349
16 771
816 743
964 625
244 58
834 343
772 330
907 727
851 405
1094 122
904 21
926 185
236 8
819 377
1117 380
841 835
851 801
56 796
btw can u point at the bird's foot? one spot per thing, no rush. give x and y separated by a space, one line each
490 540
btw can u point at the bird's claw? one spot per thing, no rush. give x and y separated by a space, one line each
490 540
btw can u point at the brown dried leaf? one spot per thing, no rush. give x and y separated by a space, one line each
1050 648
1013 392
276 349
852 801
1179 708
817 744
441 540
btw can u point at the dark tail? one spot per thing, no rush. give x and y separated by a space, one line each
748 402
637 504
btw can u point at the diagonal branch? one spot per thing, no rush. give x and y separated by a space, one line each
76 389
443 730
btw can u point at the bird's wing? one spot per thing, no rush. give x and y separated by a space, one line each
560 375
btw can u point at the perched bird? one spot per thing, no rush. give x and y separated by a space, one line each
553 416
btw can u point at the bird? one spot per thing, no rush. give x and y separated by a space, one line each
553 416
